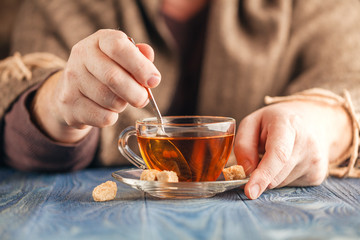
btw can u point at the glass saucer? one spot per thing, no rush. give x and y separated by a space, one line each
178 190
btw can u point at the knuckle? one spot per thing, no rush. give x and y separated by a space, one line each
74 116
112 32
65 98
316 178
121 34
69 74
109 119
102 93
78 49
119 47
111 78
317 160
116 49
140 100
272 185
318 163
314 144
319 173
68 93
92 116
266 177
293 124
139 71
101 31
70 121
281 154
118 104
276 182
295 121
111 41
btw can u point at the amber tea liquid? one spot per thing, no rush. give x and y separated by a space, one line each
192 158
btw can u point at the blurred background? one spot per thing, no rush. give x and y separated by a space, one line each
8 12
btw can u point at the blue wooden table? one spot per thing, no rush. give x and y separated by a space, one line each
60 206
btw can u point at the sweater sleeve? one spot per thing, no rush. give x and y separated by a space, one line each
26 148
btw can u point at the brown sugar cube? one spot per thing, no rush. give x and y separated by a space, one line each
167 176
105 191
149 174
235 172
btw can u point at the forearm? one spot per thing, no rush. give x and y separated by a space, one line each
28 149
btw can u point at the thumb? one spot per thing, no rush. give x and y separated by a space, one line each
247 142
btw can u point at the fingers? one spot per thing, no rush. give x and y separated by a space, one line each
247 141
308 179
117 79
147 51
86 112
104 73
278 149
310 172
294 150
101 94
128 56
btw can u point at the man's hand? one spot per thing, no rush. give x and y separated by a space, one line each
296 141
104 73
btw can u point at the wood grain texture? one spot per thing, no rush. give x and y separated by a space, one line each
60 206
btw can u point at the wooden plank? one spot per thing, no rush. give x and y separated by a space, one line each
60 206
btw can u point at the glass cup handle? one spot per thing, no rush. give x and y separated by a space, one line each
125 149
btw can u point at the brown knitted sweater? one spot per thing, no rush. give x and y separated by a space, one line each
251 49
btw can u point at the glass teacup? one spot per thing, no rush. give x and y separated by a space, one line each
195 147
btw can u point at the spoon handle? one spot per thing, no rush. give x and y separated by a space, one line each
154 106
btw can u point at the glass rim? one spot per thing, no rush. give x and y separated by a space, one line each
152 121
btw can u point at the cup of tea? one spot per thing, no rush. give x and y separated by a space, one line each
195 147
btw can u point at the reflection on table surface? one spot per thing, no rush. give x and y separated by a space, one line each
60 206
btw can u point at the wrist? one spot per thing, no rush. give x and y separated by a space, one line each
46 116
338 129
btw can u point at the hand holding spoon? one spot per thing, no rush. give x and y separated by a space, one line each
175 161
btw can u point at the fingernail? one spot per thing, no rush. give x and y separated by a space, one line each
254 191
153 81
